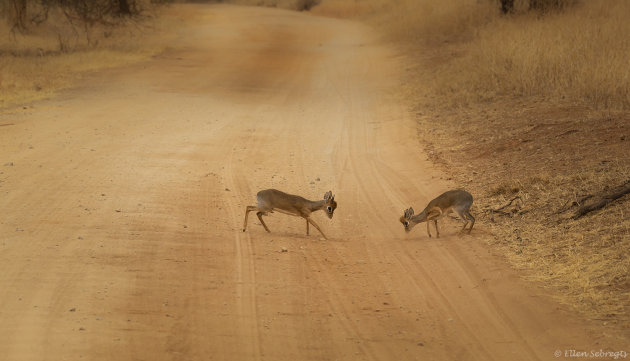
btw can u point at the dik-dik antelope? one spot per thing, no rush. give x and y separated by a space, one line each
458 201
270 200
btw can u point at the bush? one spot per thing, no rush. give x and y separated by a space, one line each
550 5
22 14
306 5
581 55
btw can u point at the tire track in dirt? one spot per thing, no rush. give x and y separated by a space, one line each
340 310
354 153
422 279
244 262
376 180
381 182
378 184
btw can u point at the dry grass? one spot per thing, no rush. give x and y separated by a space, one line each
53 56
531 105
412 23
580 55
551 157
586 260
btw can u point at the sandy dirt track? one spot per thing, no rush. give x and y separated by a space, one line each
122 204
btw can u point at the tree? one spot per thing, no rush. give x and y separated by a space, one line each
16 14
23 13
541 6
123 7
507 6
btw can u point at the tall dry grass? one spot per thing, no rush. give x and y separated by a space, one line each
581 54
44 59
412 23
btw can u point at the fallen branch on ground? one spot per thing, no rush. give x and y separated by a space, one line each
603 200
501 210
572 203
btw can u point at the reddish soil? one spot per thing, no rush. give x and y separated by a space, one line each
123 201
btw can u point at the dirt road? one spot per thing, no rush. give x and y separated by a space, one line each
122 204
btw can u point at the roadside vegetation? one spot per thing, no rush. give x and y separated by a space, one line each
46 46
298 5
530 111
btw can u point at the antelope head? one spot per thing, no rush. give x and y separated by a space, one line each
406 219
330 204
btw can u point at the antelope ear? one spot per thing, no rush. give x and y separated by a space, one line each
333 198
409 212
327 196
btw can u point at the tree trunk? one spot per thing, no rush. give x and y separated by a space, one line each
507 6
123 7
603 200
18 14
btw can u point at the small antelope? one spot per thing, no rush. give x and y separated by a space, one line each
458 201
270 200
